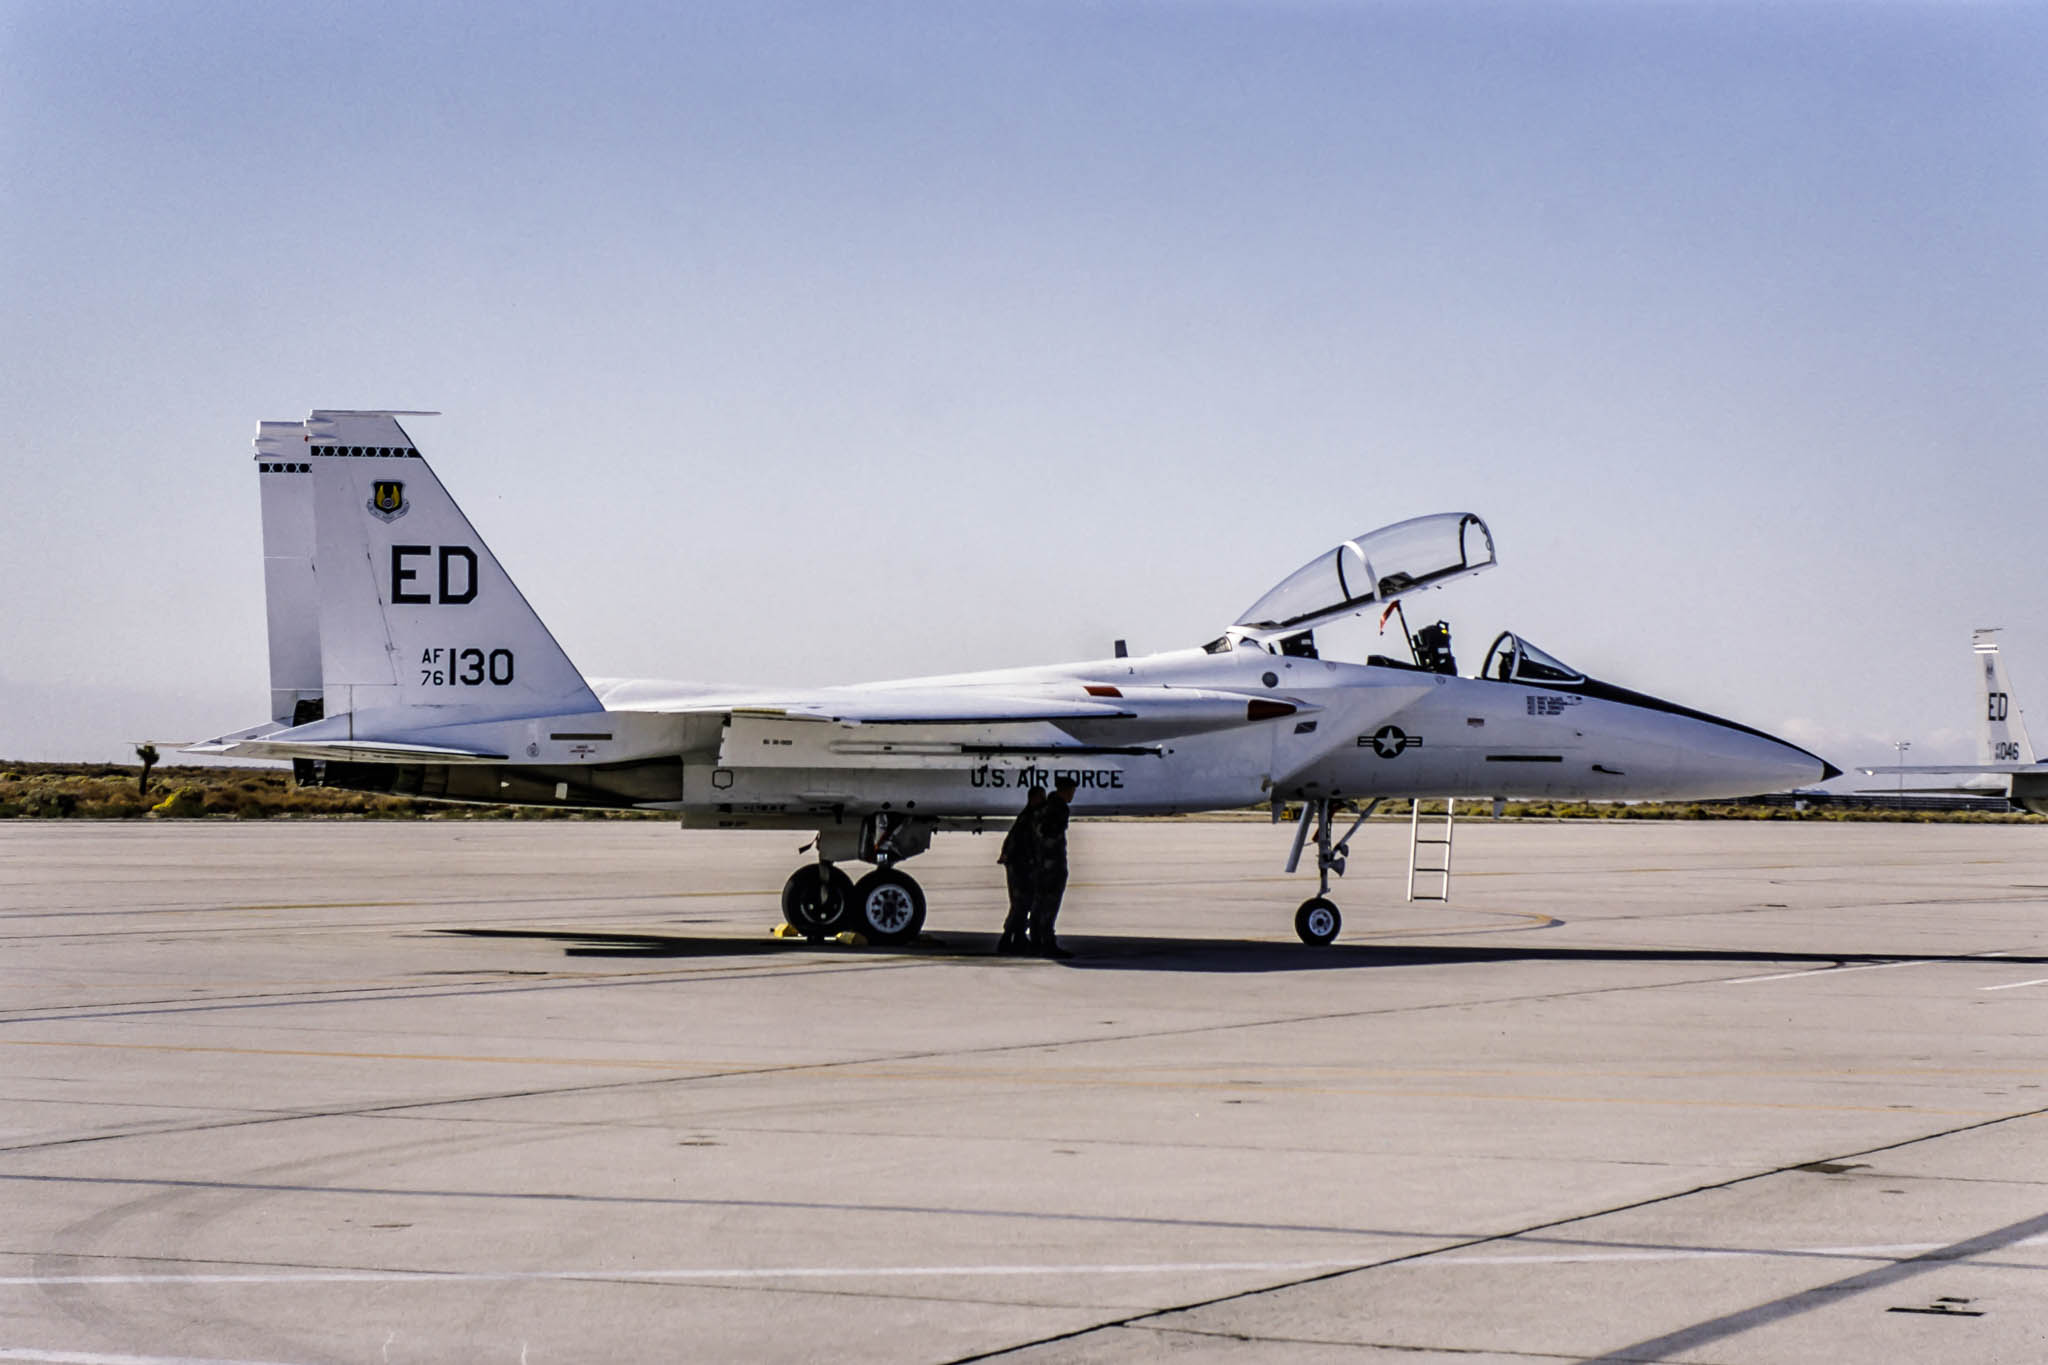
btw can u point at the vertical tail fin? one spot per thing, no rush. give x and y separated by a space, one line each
291 595
414 610
2001 727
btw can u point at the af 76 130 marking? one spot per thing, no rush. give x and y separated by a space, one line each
471 667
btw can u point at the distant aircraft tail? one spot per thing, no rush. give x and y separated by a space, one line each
2001 726
382 596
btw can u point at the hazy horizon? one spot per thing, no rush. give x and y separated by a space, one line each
798 343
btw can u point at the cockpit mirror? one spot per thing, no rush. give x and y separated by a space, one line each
1515 660
1372 569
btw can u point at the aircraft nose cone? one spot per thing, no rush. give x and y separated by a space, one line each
1740 761
1714 759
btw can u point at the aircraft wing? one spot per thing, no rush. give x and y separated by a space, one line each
1090 712
938 707
906 723
1959 768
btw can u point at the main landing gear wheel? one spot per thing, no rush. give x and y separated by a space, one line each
816 900
888 907
1317 921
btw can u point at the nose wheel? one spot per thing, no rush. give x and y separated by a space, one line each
1318 921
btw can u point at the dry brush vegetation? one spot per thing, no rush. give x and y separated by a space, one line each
112 791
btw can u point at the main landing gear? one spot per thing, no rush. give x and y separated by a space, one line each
886 906
816 898
1318 920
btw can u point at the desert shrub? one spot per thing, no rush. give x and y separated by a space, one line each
51 805
183 803
112 809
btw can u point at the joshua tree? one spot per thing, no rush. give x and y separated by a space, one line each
147 753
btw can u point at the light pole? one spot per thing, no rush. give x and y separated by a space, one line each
1902 745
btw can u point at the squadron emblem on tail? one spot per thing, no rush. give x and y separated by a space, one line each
387 500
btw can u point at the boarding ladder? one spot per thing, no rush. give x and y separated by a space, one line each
1437 865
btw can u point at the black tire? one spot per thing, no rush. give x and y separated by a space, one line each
888 907
1318 921
816 900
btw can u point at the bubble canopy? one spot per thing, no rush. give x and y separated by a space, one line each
1513 659
1373 568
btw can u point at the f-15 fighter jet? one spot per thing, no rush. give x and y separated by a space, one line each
2005 763
403 660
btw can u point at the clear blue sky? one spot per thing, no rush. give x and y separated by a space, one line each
831 342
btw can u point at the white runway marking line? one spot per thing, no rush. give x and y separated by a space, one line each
1444 1260
103 1358
1895 1251
2015 985
834 1272
1826 971
1867 967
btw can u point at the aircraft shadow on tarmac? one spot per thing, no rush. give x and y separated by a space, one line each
1158 954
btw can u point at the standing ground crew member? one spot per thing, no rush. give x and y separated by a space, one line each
1020 864
1052 868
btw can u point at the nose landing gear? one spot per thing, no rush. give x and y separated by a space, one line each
1318 920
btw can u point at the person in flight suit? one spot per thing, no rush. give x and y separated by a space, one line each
1020 865
1052 868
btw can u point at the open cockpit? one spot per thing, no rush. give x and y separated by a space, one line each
1372 570
1375 571
1513 659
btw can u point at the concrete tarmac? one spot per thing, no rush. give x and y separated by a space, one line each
532 1092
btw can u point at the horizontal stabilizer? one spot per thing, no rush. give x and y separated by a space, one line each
342 750
227 742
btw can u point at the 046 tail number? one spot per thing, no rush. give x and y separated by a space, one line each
457 667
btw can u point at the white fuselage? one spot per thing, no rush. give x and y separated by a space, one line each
1359 731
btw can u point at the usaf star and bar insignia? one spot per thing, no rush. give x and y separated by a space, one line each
1389 741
